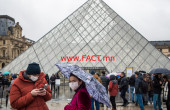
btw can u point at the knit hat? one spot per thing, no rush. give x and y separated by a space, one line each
33 69
92 72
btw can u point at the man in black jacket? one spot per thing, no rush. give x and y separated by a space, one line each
123 88
132 87
52 80
138 89
157 88
105 80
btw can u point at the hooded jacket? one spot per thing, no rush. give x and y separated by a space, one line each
21 97
156 85
105 81
81 100
169 91
138 86
97 77
124 83
113 86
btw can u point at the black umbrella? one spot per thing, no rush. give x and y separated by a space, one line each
142 71
160 70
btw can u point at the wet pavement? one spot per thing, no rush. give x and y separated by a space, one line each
65 94
59 105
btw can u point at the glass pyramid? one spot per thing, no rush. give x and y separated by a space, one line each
93 29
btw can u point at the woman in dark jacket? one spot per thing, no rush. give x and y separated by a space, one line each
81 99
150 89
157 89
168 101
113 90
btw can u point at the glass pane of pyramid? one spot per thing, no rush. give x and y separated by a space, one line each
93 29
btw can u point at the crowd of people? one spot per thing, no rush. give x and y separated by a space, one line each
144 89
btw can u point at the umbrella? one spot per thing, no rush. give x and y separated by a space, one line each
142 71
160 70
5 73
116 74
94 88
108 75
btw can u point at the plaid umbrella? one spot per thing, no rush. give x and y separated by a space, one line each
94 88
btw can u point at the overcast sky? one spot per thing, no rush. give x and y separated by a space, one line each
37 17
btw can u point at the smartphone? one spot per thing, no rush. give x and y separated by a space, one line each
45 87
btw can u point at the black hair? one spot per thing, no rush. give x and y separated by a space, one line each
123 73
137 73
83 84
103 72
165 77
75 76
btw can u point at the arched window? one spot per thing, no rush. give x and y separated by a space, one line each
3 53
3 64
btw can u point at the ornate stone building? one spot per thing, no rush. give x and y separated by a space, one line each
163 46
12 43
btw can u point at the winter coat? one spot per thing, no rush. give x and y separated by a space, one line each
169 91
157 86
132 81
165 91
138 84
52 79
1 81
113 88
105 81
150 85
81 100
21 97
145 87
97 77
124 83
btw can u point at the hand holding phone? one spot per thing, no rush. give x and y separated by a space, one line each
43 90
45 87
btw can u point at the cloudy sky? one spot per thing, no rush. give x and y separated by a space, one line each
37 17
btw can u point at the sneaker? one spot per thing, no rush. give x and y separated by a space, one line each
126 104
136 104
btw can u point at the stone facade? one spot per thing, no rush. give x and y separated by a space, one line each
163 46
13 43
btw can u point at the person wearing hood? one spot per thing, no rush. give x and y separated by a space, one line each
157 89
81 98
113 90
138 89
30 90
92 99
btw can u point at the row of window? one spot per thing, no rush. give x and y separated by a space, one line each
164 50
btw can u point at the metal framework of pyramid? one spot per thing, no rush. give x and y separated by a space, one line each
93 29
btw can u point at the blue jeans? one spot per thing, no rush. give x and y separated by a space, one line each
157 101
132 94
140 101
96 103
